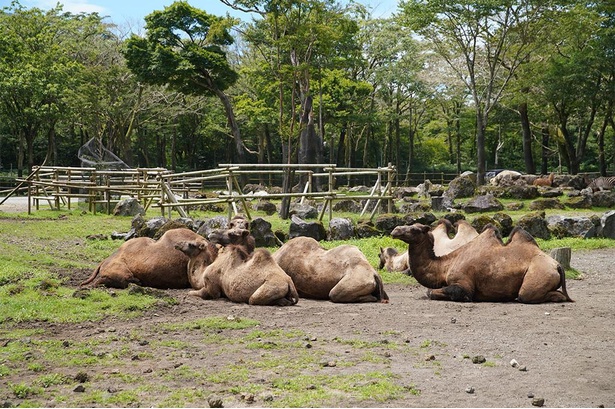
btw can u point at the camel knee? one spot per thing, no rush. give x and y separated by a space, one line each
451 292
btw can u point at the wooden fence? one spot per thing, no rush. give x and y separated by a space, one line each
159 187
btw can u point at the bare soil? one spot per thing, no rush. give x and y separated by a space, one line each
565 352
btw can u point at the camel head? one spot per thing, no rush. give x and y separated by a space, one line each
198 247
385 255
413 234
229 236
239 222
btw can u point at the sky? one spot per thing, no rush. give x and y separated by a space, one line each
132 12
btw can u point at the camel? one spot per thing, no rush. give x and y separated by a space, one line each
149 263
547 181
443 244
342 274
485 269
242 277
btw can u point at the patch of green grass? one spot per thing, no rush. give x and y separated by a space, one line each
4 370
23 391
326 390
360 343
123 398
489 364
183 396
53 379
212 323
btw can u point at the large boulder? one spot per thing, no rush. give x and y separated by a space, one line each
366 229
265 206
181 223
505 222
341 229
580 202
347 205
304 211
150 227
299 227
425 218
128 207
480 222
486 203
536 225
546 203
604 199
214 223
262 233
607 225
521 191
387 222
563 226
461 186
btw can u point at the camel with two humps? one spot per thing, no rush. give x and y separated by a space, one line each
393 260
342 274
485 269
150 263
241 275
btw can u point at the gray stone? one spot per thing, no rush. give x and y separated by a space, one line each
486 203
546 203
209 225
425 218
607 225
562 226
580 202
299 227
341 229
366 229
461 186
128 207
347 205
505 222
262 233
603 199
304 211
387 222
535 224
265 206
522 191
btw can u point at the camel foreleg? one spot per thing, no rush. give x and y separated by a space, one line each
450 293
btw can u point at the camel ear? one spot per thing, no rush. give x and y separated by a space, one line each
425 229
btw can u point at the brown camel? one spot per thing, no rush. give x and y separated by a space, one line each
342 274
485 269
148 263
240 276
546 181
443 244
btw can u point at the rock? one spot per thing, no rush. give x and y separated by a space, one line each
604 199
79 389
414 207
304 211
535 224
341 229
522 191
550 192
580 202
470 389
514 363
82 377
461 186
486 203
479 359
299 227
514 206
505 222
347 205
260 229
480 222
607 225
425 218
214 223
215 403
387 222
454 217
265 206
128 207
366 229
151 227
562 226
402 192
538 402
546 203
182 223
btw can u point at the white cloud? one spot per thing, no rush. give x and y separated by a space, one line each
72 6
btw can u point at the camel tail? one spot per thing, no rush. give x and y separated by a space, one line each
92 277
379 292
293 295
562 280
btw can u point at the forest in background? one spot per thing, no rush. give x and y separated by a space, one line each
439 86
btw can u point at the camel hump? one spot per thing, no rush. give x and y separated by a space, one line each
447 223
261 254
518 234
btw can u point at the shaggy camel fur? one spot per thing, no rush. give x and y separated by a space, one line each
485 269
548 181
238 275
147 262
443 244
342 274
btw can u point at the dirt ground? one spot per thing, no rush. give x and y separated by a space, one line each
565 352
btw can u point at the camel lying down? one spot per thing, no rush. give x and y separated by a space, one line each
485 269
392 260
147 262
239 275
341 274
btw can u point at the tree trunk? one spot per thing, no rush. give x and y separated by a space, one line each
232 123
530 167
481 125
562 255
544 167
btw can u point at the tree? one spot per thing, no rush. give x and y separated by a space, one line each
184 48
492 37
